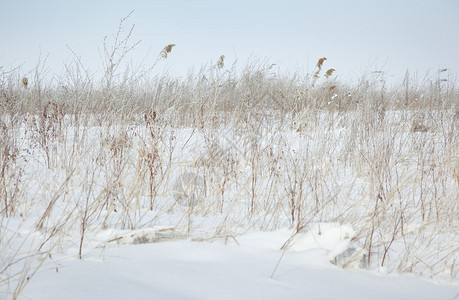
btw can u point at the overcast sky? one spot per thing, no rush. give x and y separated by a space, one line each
356 36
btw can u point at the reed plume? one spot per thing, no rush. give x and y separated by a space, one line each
220 63
320 63
167 50
316 76
329 72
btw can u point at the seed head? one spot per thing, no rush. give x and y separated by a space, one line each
321 62
329 72
167 50
220 63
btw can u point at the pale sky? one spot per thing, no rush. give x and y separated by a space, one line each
355 36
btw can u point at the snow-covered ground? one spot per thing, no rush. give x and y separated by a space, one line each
327 208
184 269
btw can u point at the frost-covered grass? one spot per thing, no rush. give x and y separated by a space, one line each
299 176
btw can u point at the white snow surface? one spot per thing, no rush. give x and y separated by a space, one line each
232 268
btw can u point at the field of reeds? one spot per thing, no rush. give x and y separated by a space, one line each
89 162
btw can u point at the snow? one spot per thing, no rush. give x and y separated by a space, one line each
185 269
138 244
